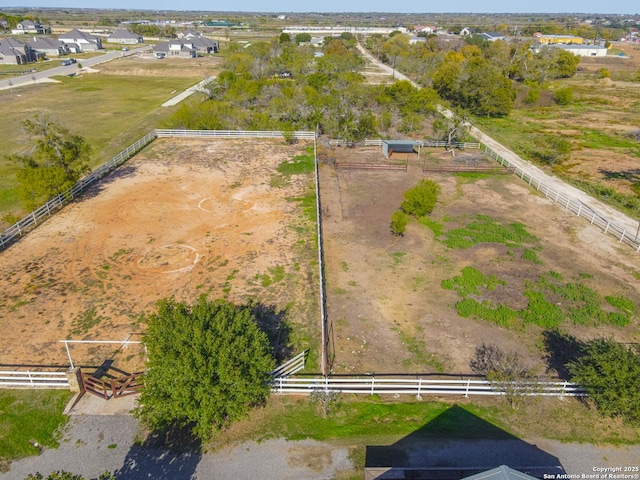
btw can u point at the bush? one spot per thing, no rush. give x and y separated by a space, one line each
532 96
609 371
399 221
421 199
603 73
563 96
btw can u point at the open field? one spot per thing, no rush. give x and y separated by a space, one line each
183 218
111 108
386 298
598 124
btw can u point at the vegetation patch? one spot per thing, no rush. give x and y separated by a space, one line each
551 301
484 229
29 415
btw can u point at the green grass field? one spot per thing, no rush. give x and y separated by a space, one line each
109 111
29 415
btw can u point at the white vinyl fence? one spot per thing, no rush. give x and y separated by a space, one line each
571 204
34 218
419 386
298 135
17 379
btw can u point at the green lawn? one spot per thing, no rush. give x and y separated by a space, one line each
27 415
109 111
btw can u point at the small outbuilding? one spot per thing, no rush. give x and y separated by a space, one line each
389 147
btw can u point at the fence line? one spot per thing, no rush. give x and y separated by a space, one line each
32 220
298 135
29 222
31 379
571 204
421 386
377 142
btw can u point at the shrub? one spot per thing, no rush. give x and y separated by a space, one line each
563 96
421 199
399 221
532 96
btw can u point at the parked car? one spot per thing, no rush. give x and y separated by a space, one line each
68 61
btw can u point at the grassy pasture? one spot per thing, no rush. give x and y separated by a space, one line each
109 111
598 123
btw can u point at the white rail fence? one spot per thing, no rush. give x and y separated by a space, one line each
29 379
420 386
298 135
32 220
571 204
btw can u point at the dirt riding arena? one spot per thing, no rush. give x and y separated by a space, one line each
182 218
389 311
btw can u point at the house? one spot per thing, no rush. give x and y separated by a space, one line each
188 48
188 34
124 37
491 36
30 27
15 52
49 47
174 48
413 40
79 42
466 31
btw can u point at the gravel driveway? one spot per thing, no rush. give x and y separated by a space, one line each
93 444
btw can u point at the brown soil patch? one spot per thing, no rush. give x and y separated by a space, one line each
148 66
183 218
385 300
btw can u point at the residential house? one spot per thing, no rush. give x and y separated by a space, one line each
466 31
124 37
79 42
188 34
15 52
174 48
49 47
30 27
492 36
189 48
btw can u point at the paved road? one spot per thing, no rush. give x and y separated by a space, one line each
31 78
555 183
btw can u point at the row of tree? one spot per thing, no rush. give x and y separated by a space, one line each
473 73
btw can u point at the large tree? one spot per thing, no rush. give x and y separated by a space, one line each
57 161
208 364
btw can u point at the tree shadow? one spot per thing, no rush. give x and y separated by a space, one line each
455 445
560 350
93 190
633 175
273 322
170 454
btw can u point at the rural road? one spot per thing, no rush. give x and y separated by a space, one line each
65 70
616 217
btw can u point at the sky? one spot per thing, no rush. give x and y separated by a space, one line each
406 6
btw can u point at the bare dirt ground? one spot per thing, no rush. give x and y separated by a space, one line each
389 311
183 218
148 65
